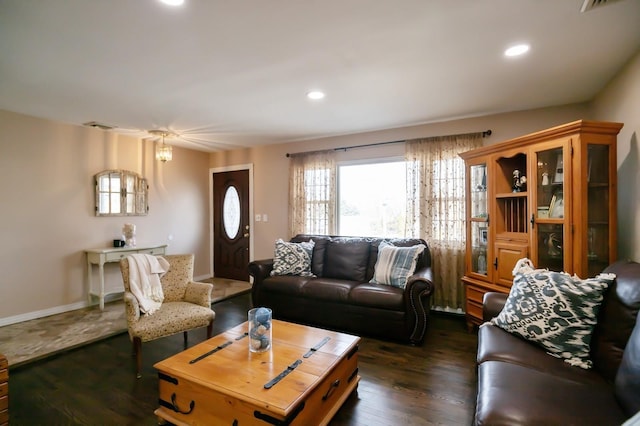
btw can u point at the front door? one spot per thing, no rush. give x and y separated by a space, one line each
231 231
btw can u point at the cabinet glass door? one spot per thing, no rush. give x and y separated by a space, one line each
550 209
479 218
597 233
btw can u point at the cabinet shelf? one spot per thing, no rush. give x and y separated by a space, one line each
512 195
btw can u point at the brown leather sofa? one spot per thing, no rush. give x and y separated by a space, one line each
519 384
340 297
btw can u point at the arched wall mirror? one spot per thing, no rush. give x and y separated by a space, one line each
121 193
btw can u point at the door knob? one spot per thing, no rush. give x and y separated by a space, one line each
246 235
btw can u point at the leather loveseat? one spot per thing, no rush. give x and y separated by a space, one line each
340 296
519 384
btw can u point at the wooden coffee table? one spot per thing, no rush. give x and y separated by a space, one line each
302 380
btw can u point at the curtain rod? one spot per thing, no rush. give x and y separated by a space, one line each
345 148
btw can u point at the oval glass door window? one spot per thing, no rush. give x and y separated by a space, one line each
231 212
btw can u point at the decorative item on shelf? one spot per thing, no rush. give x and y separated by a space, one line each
260 332
591 239
543 212
554 245
164 152
482 187
545 178
482 264
129 232
519 181
556 207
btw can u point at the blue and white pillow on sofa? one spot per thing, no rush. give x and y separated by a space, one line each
395 264
293 258
554 310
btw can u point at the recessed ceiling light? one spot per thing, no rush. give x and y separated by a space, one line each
517 50
315 95
173 2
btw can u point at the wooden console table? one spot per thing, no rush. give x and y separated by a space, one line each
105 255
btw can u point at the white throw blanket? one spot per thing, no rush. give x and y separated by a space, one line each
145 272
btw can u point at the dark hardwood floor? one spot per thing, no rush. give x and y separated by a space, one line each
401 384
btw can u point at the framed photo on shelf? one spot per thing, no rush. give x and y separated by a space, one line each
556 207
559 172
483 236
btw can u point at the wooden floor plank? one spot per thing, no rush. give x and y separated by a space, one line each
401 384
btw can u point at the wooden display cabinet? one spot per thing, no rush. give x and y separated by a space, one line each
562 215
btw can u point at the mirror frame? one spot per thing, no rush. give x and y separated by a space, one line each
132 192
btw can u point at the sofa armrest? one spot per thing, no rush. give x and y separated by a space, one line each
418 302
492 304
259 270
199 293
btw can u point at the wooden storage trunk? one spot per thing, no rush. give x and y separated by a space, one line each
221 382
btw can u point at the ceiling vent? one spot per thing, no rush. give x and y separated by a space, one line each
592 4
98 125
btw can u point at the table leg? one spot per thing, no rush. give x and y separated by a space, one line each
89 279
101 268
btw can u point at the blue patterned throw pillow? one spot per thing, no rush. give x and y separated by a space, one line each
395 264
554 310
293 258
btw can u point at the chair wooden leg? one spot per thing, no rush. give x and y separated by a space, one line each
137 352
209 330
185 335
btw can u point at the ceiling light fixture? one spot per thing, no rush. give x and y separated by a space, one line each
315 95
517 50
164 152
173 2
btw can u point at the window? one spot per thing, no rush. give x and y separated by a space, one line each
372 199
318 198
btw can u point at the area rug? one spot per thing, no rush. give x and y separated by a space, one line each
36 339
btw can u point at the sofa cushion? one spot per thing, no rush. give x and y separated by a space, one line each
292 258
510 394
346 259
285 284
495 344
628 378
378 296
329 289
554 310
395 264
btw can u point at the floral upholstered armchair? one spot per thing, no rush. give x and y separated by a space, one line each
186 305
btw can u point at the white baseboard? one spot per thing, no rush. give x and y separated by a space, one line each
43 313
201 277
55 310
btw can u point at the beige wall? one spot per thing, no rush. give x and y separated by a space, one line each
620 101
271 166
47 210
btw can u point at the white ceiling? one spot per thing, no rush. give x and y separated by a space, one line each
234 73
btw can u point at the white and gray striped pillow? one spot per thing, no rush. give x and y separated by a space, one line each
395 264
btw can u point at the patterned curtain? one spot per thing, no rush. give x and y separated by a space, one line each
312 193
436 209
